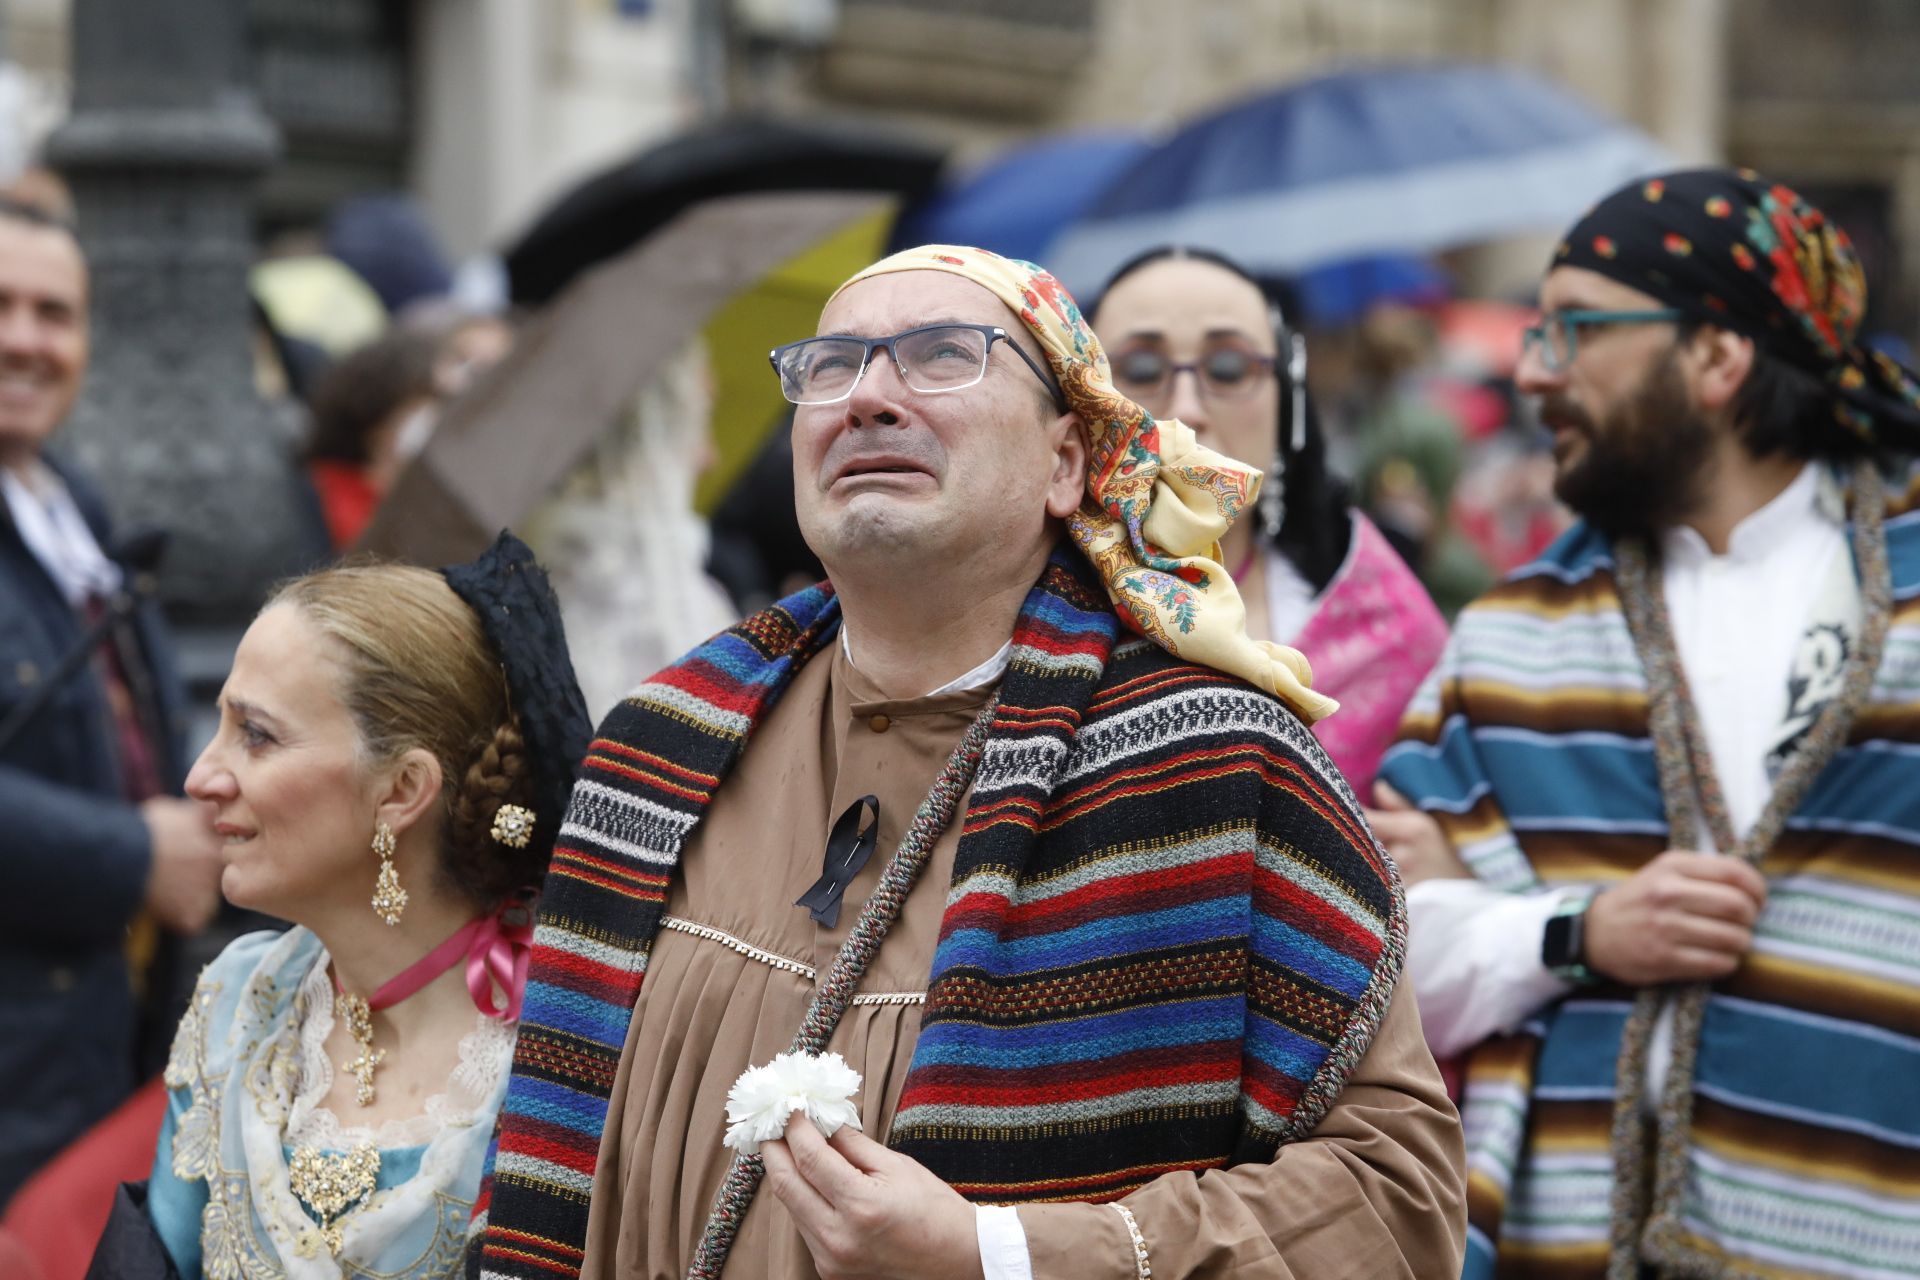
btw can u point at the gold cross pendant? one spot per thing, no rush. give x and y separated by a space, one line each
361 1069
360 1026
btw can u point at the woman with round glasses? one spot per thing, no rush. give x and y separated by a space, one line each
1192 336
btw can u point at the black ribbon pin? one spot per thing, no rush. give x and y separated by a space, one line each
849 845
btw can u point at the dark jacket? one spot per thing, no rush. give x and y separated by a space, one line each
74 857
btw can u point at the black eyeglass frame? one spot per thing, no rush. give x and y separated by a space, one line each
993 333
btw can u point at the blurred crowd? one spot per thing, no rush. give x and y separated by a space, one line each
1415 393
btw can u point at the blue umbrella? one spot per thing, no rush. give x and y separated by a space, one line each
1337 293
1019 201
1388 160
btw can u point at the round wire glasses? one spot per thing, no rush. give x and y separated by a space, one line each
1145 374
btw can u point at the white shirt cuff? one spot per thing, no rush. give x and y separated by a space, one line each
1473 955
1003 1243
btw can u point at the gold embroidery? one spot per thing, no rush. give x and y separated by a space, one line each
235 1243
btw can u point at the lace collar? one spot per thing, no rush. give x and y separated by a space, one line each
486 1055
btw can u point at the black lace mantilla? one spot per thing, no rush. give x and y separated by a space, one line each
521 616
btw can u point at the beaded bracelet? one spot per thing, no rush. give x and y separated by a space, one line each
1142 1270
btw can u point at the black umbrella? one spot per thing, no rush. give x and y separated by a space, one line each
607 214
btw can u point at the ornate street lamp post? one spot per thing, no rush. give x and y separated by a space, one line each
163 150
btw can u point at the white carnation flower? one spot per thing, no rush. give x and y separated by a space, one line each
820 1084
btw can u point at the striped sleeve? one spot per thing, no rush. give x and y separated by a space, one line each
1437 765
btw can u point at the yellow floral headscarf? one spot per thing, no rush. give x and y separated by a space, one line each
1157 501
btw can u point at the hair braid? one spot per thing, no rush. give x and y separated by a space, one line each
501 773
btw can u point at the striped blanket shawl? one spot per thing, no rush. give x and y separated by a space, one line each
1168 941
1530 745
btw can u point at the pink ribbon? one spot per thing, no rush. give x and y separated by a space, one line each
497 953
496 949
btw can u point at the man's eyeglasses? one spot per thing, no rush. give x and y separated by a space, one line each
930 360
1146 376
1557 337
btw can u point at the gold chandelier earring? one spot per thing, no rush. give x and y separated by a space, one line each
389 899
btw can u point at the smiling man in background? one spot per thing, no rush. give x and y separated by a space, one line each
90 766
1120 972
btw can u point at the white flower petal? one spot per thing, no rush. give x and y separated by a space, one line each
821 1085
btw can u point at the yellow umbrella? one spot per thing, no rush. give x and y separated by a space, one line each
782 306
319 299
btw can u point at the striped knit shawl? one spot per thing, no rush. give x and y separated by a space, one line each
1168 941
1530 745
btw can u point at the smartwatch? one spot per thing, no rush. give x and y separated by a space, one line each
1563 943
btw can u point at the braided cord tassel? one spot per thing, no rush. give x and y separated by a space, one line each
836 990
1687 778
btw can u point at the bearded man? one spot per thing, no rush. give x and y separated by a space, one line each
1656 802
1119 974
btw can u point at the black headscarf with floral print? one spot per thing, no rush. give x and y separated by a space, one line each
1733 249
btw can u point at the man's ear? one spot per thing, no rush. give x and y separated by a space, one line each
1070 454
409 791
1722 361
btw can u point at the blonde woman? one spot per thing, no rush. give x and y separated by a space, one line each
394 751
